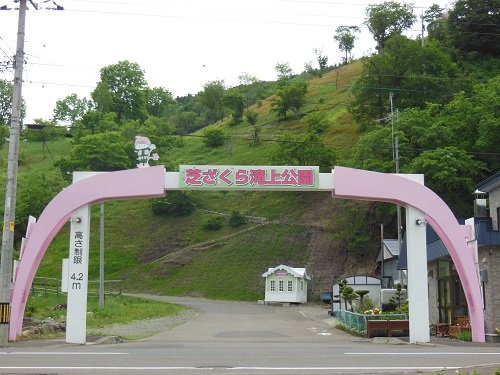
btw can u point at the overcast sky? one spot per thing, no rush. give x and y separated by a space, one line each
180 44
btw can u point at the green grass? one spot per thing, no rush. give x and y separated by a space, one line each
117 309
231 270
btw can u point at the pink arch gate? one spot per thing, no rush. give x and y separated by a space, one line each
343 182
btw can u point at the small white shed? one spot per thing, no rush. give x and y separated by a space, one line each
286 284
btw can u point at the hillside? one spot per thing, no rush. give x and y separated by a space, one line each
176 256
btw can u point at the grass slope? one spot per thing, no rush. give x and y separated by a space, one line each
159 254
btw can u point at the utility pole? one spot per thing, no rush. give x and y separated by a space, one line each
395 157
11 187
423 28
101 260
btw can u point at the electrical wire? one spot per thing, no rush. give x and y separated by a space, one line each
402 147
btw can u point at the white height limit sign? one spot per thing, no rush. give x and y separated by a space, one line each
78 265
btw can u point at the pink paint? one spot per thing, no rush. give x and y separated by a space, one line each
366 185
150 182
133 183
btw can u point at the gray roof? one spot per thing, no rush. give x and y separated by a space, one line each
490 183
391 250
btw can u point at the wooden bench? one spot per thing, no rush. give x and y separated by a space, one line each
386 326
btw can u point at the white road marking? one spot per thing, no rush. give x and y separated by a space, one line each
421 353
211 368
62 353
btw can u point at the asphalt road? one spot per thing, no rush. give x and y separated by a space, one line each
248 338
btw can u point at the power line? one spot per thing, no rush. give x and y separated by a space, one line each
379 147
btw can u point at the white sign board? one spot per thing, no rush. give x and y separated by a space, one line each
78 265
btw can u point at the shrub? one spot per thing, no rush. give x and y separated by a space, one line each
237 219
213 137
465 335
176 203
317 122
213 223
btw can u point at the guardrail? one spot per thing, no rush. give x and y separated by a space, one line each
50 285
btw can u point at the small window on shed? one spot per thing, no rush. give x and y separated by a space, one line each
272 287
301 285
290 286
281 286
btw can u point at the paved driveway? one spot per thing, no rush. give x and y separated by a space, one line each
248 338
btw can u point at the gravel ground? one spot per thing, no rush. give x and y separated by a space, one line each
145 328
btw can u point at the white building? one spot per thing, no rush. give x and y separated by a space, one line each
361 282
286 284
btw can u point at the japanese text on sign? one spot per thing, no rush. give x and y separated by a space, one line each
78 248
77 259
234 177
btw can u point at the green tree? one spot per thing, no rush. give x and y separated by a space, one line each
437 25
213 222
211 98
123 90
237 219
71 109
317 122
5 102
36 190
4 134
351 228
398 299
175 203
94 122
345 36
387 19
185 122
414 75
6 89
214 137
322 61
284 72
349 296
451 173
473 26
486 98
233 99
99 152
43 131
291 97
305 150
158 101
374 150
251 117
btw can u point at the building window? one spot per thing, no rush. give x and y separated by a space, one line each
290 286
281 286
301 285
272 287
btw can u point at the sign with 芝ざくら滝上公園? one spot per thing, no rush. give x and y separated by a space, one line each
241 177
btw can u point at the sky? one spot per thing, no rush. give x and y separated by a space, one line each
180 44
